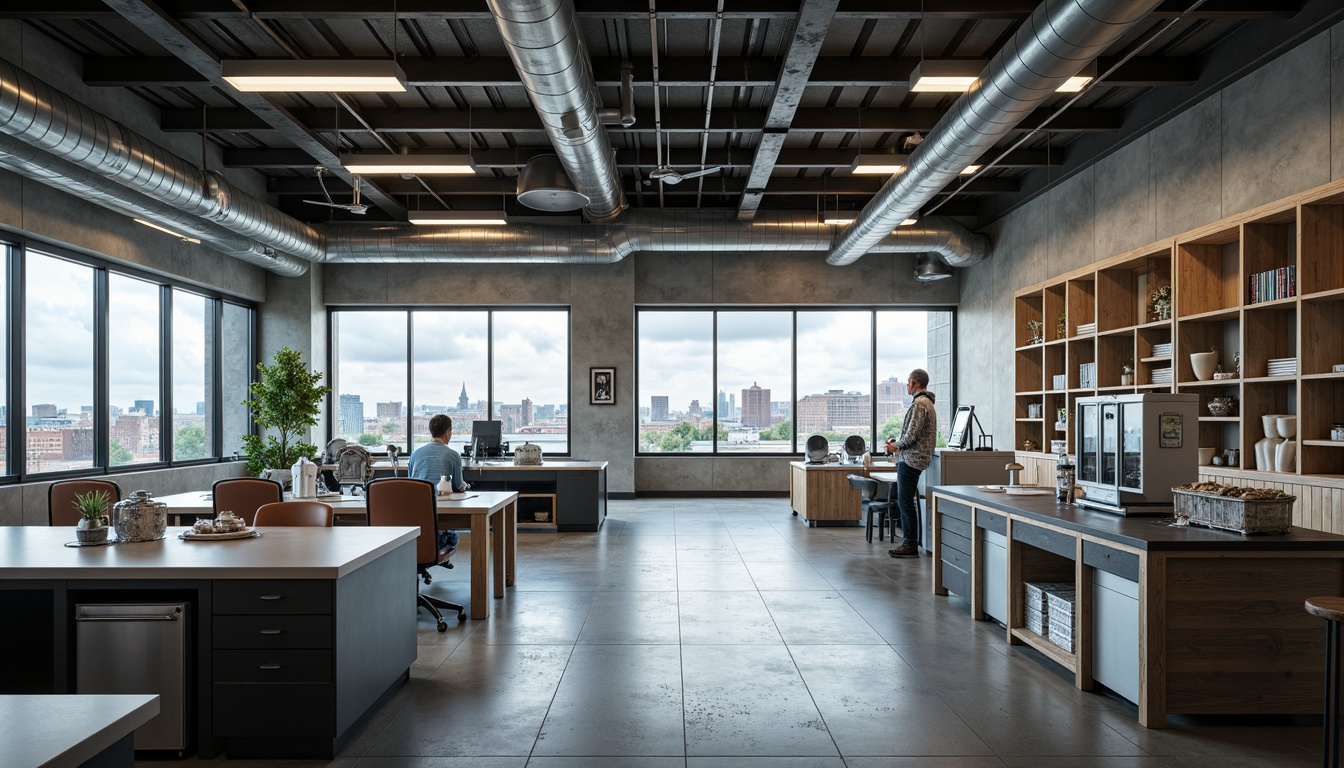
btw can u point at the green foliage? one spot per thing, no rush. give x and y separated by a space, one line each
781 431
189 442
287 399
93 505
369 438
389 428
118 455
890 428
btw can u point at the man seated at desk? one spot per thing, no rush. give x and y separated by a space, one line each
434 460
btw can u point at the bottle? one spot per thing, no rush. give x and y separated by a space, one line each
445 487
1064 477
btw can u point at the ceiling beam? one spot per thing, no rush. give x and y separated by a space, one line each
183 43
864 186
703 10
675 71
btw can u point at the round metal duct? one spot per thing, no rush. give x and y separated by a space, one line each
544 185
930 268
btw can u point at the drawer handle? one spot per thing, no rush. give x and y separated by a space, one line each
272 631
270 666
272 597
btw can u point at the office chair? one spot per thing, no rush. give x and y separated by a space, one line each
881 509
306 513
244 495
413 502
354 466
61 499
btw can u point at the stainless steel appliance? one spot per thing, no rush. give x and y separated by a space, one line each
122 648
1132 449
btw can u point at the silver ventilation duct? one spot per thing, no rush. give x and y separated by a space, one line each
38 114
29 161
1052 45
547 49
639 230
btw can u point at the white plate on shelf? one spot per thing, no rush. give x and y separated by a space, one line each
246 533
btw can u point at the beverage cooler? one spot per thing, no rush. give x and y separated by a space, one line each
1132 449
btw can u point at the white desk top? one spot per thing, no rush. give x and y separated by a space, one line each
858 467
37 552
472 502
42 731
551 464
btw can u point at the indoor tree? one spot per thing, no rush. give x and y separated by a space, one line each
286 400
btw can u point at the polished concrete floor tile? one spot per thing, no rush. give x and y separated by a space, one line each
546 618
744 700
433 762
617 700
721 618
928 762
764 762
633 618
627 761
818 618
640 576
1072 761
785 574
1029 717
721 576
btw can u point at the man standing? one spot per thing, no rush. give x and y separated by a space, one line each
919 433
435 459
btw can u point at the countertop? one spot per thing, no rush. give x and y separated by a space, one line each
41 731
1146 533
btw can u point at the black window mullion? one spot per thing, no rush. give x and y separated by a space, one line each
410 380
165 373
16 445
216 379
714 355
102 371
333 395
793 375
489 365
872 377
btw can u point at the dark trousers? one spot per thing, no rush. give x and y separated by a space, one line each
907 485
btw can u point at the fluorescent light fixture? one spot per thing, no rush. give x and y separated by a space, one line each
970 169
909 222
875 165
423 164
838 220
166 231
1079 81
459 218
945 75
309 75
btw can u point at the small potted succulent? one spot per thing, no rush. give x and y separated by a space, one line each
92 507
1037 330
1161 303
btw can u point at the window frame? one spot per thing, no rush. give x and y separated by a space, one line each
794 311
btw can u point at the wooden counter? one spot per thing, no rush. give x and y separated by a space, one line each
821 492
1220 626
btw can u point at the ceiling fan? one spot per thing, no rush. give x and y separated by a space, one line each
353 207
669 175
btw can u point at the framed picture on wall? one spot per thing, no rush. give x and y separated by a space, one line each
601 386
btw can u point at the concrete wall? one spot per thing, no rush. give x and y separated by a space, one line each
1274 133
602 301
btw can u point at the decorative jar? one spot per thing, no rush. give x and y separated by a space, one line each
139 518
1337 431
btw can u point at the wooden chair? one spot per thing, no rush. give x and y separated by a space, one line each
307 513
243 496
61 499
411 502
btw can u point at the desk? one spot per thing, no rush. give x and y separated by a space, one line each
72 731
477 513
344 598
1193 620
821 492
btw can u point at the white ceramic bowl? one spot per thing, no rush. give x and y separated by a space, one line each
1287 426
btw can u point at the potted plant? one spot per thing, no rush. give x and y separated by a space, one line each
1037 330
286 400
1161 303
1062 326
1127 374
92 507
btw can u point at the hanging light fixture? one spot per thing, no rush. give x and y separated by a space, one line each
458 218
931 268
309 76
945 75
1079 81
420 164
872 164
167 231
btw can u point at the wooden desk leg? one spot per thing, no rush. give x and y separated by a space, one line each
497 540
937 550
1016 599
511 544
977 569
1152 640
480 566
1082 641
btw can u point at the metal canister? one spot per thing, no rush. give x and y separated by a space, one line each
139 517
1064 480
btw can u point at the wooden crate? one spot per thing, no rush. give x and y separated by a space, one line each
1233 514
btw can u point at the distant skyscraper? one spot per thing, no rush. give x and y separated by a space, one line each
44 410
462 402
732 408
721 410
352 415
694 410
659 408
145 405
389 410
200 408
756 407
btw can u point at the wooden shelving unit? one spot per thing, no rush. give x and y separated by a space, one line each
1210 273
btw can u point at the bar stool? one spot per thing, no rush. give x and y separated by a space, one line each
1332 610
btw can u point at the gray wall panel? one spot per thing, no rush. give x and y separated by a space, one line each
1187 169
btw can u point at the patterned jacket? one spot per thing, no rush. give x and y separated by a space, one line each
919 432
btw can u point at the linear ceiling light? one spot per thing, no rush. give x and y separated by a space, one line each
970 169
165 230
374 165
838 219
1079 81
909 222
873 165
306 76
945 75
459 218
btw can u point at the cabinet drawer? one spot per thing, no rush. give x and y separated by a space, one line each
272 632
960 527
954 509
272 596
956 580
991 521
261 710
278 666
959 559
950 541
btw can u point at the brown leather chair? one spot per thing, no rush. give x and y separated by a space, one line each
61 499
294 513
243 496
411 502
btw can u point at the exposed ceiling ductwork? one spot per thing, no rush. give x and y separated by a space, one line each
1056 41
544 41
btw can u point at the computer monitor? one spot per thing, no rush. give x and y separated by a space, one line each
485 437
960 436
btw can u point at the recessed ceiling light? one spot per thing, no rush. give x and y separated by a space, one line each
945 75
458 218
422 164
970 169
308 76
837 220
1079 81
908 222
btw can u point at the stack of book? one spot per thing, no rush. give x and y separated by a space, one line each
1162 375
1087 375
1283 366
1059 381
1086 328
1162 350
1274 284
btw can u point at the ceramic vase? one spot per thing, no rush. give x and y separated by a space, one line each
1285 456
1286 426
1264 453
1204 364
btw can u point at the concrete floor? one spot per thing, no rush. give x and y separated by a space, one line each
724 632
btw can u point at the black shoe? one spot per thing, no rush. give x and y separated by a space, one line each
905 550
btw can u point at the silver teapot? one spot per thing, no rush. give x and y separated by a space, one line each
140 518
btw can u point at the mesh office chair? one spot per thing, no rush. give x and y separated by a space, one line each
882 509
243 496
314 514
61 499
412 502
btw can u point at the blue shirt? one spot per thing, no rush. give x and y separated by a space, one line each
434 460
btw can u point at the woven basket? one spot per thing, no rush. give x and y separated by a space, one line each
1232 514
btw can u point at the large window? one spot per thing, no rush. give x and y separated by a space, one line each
193 359
58 363
774 377
134 386
394 369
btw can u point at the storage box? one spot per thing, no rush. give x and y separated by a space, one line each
1061 634
1036 620
1233 514
1060 614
